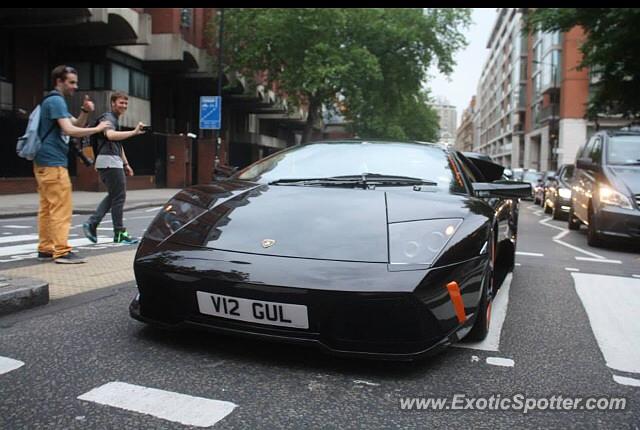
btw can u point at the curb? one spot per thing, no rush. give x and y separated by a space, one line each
22 293
81 211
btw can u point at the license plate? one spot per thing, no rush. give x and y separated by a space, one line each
255 311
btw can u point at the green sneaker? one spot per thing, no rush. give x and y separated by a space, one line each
122 236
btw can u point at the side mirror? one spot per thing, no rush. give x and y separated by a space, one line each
502 189
587 164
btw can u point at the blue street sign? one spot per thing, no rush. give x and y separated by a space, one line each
210 108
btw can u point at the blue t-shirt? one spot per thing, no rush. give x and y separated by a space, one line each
55 147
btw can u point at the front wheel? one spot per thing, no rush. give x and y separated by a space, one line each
593 238
480 327
573 223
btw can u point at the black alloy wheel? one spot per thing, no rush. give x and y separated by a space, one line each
573 223
556 213
593 237
480 327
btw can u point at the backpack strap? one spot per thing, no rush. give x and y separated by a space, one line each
52 93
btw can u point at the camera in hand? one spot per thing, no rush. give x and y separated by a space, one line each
75 147
146 128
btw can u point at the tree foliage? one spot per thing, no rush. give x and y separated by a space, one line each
374 61
611 50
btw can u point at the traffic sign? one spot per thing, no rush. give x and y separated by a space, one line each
210 108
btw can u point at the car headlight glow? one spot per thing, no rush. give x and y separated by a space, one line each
565 193
609 196
420 242
171 218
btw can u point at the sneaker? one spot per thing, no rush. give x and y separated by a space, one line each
90 231
45 256
122 236
70 258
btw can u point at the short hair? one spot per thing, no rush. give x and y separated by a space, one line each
61 72
118 95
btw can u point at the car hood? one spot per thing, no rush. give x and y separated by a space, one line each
629 176
341 224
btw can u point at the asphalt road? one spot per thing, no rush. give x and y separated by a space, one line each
559 337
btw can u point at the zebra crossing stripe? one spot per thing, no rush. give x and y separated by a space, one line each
9 364
168 405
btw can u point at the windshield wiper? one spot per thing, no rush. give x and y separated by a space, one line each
364 179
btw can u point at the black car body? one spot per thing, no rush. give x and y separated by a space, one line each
376 249
557 198
606 190
540 188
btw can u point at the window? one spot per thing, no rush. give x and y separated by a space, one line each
119 78
596 150
84 75
186 17
139 85
98 76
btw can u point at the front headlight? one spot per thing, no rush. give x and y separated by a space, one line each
609 196
173 216
420 242
565 193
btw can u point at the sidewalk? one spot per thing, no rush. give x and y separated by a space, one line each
84 202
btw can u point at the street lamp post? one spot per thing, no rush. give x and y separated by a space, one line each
218 132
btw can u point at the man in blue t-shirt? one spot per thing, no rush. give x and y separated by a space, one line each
50 165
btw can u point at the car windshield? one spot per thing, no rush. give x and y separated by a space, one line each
429 163
531 176
624 150
567 173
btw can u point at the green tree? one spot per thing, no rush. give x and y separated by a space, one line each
373 60
611 51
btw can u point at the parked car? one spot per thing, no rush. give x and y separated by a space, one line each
365 248
557 198
533 177
540 188
606 190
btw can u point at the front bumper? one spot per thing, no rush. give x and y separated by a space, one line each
618 222
391 315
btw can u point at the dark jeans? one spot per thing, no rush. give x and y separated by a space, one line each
115 181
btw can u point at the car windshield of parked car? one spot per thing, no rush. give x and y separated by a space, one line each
326 160
624 150
531 176
567 173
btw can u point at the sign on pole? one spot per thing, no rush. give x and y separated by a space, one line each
210 108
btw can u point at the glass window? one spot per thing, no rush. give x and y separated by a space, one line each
119 78
624 150
139 85
98 76
567 173
84 75
319 160
596 150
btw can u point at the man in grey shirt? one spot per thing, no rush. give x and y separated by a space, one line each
112 165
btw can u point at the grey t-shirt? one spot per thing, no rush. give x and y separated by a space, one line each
110 152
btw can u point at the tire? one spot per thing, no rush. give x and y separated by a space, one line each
593 238
556 213
573 223
546 207
480 327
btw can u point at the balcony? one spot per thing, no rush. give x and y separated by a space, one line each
548 113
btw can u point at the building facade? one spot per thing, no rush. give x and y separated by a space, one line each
163 58
447 120
501 91
465 134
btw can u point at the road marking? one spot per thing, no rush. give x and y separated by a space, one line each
612 304
168 405
627 381
518 264
18 238
143 217
635 276
498 314
563 233
571 269
497 361
9 364
154 209
28 248
15 226
359 381
599 260
6 233
530 254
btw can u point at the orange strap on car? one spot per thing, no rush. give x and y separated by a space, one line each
456 299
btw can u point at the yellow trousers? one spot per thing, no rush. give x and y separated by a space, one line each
54 215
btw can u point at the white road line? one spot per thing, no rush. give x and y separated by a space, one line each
143 217
530 254
31 247
571 269
612 304
9 364
5 233
498 314
18 238
563 233
518 264
168 405
15 226
627 381
497 361
599 260
154 209
636 276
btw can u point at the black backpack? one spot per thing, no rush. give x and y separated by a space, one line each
96 140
